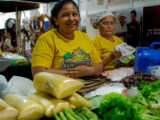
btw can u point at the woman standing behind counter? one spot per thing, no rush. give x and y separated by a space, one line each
105 42
65 50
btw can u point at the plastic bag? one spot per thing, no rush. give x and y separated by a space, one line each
155 70
20 86
50 104
56 85
126 51
3 86
12 56
106 89
117 74
78 101
7 112
28 109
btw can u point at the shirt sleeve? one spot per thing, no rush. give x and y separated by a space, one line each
95 55
43 53
97 47
119 40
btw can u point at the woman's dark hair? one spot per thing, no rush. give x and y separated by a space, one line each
13 36
57 8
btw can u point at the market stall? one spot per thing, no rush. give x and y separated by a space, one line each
128 92
13 64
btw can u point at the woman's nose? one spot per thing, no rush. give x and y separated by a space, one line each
71 17
109 25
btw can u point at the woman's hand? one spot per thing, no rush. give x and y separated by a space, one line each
80 71
116 54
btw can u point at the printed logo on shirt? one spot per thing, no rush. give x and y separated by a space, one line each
76 58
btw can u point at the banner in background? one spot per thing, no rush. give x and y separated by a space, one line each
151 24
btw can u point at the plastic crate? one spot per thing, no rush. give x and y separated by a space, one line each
146 57
4 63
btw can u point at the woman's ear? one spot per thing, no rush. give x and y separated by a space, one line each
97 25
55 21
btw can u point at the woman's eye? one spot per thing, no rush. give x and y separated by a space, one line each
75 14
64 15
105 23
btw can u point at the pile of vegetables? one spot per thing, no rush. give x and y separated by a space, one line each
138 79
144 106
116 107
81 114
148 101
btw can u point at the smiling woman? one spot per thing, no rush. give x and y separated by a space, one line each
64 49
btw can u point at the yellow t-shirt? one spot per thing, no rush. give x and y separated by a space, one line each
52 50
104 47
0 52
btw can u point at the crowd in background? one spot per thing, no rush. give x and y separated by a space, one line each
130 32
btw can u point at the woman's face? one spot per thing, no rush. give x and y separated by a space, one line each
106 26
68 19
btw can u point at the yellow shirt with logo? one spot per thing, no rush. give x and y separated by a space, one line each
104 47
52 50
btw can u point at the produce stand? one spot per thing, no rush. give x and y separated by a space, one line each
136 97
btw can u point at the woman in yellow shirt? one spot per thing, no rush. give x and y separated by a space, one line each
65 50
105 42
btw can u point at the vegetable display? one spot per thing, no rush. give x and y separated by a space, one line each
148 102
80 114
137 78
116 107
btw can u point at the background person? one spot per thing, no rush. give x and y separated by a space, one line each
26 44
121 27
133 33
105 42
10 43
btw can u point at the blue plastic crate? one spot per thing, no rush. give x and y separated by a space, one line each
146 57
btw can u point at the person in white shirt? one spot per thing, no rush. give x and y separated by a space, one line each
26 45
121 27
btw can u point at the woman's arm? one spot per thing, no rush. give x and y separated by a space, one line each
83 70
112 56
13 50
43 69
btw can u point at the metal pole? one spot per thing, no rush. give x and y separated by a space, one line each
17 34
79 6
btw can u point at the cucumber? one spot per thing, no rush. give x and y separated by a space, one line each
74 114
82 116
68 115
62 116
56 116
